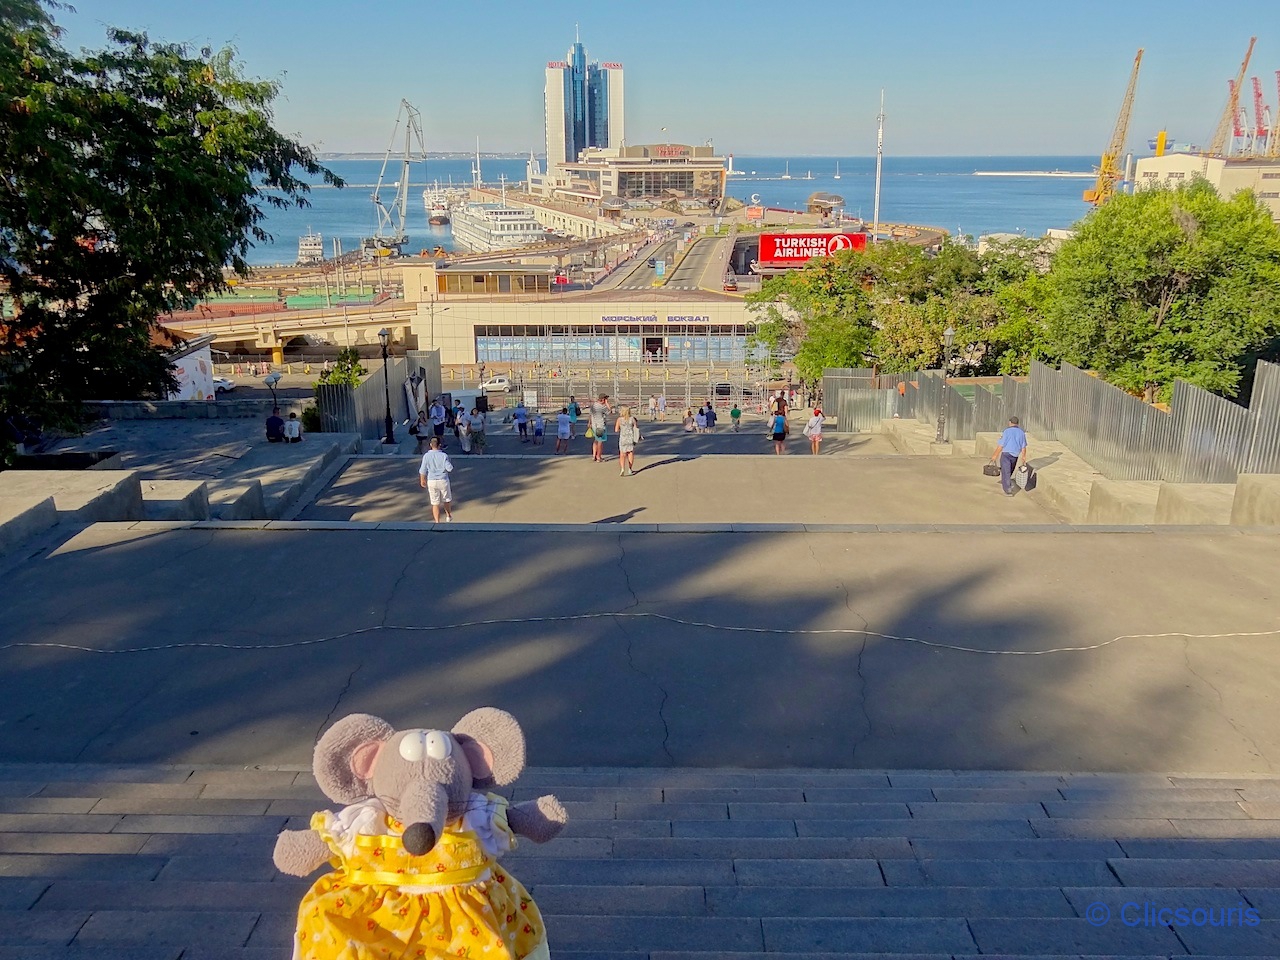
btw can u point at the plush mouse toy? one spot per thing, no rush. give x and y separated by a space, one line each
415 850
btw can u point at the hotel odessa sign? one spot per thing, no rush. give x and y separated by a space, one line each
790 247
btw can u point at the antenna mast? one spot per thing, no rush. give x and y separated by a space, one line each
875 217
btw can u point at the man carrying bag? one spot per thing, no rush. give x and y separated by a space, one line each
1010 451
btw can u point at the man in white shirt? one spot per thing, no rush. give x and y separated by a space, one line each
293 429
437 416
433 476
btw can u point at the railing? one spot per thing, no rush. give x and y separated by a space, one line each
1202 439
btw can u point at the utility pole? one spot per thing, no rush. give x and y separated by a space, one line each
875 218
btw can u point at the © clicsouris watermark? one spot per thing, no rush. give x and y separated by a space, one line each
1148 914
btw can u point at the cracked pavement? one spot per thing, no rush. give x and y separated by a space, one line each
555 626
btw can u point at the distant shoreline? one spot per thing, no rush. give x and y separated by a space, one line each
1069 174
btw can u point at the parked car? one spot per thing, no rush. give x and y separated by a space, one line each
496 385
223 384
731 284
687 223
653 262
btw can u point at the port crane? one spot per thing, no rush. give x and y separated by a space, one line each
1230 113
1110 175
390 235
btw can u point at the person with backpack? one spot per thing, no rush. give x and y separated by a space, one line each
778 431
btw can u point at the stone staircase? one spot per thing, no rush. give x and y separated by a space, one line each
162 863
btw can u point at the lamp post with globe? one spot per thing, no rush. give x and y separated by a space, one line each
384 337
948 338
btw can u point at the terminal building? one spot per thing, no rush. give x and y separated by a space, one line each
1229 175
654 171
504 313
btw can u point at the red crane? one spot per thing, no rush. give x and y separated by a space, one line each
1259 107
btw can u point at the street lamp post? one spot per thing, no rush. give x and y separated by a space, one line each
433 322
948 338
271 380
384 337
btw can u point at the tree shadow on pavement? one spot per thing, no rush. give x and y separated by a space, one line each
638 649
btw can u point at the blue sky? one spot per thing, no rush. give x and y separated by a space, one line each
978 78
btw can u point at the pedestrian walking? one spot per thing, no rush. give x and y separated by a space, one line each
735 418
433 476
599 426
779 431
575 412
690 421
538 427
438 416
653 406
521 417
628 430
564 428
463 430
700 420
422 431
479 421
1010 451
711 418
813 430
662 406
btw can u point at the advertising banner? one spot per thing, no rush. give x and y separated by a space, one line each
799 247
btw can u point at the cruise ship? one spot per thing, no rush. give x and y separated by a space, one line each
484 227
310 249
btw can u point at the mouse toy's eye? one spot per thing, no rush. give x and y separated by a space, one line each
439 745
414 745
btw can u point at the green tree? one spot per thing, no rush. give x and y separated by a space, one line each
131 177
347 370
1167 284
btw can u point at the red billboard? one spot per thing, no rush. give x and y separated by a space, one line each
799 247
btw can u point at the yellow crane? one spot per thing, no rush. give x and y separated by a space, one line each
1109 172
1227 122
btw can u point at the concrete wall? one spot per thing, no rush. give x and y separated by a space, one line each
193 409
1257 500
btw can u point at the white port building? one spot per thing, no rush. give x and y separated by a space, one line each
1229 175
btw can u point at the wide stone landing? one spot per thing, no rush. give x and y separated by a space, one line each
162 863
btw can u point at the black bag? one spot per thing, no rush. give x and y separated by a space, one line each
990 469
414 429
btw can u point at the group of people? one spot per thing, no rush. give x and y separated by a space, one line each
280 430
470 429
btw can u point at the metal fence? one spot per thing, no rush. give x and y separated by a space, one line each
362 409
861 410
424 367
1203 438
835 379
1264 405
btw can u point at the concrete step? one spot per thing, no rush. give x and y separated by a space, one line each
173 861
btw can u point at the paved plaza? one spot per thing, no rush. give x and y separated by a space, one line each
891 714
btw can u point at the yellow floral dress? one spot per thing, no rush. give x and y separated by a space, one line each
383 903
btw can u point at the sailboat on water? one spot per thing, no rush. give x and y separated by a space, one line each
837 176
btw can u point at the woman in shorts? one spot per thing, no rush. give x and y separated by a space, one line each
813 430
599 426
779 432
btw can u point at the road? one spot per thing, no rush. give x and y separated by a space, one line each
641 275
689 275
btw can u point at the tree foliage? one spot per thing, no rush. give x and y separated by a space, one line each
129 178
1167 284
1160 285
347 370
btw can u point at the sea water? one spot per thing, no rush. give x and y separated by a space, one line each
932 191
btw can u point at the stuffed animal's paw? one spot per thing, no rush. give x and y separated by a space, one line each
299 852
540 820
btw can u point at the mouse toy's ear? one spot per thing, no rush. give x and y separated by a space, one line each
345 756
494 744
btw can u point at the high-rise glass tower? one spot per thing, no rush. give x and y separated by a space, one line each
583 106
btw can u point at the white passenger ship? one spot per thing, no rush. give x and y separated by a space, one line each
483 227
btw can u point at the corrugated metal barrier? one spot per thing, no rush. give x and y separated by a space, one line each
362 409
1203 439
